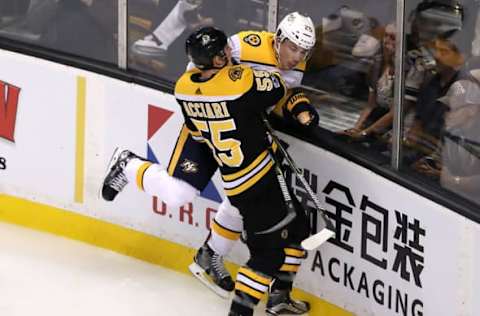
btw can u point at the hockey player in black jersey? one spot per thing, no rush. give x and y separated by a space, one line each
284 51
222 105
223 112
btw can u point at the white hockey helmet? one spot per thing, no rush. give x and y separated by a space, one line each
298 28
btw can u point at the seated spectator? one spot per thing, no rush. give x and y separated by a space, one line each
461 147
377 116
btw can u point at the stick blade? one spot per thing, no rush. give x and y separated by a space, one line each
318 239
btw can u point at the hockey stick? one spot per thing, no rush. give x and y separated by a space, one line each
327 229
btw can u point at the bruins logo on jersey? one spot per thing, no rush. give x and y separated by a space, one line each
252 39
235 73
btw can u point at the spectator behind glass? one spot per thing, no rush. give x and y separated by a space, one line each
461 148
377 116
450 50
460 154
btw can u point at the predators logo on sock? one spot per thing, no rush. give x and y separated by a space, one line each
252 39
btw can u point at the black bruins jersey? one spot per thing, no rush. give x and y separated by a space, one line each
224 112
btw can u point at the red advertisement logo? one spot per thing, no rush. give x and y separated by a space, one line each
8 110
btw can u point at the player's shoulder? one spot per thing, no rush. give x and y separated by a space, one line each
238 78
185 79
255 38
231 82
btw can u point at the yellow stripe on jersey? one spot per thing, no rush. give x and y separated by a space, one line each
141 172
182 139
255 276
229 83
257 47
250 167
238 174
224 232
242 180
243 288
294 252
247 184
289 268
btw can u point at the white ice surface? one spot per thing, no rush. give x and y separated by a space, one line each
43 274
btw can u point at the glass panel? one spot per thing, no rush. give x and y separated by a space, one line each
85 28
158 29
351 71
442 130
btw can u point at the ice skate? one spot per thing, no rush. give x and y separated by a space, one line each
280 303
209 269
115 179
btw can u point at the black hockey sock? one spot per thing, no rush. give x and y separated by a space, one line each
283 281
242 304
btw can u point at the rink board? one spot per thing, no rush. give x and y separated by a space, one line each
395 253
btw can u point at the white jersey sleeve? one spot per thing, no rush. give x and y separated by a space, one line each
234 42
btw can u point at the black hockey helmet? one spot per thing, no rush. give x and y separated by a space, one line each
204 44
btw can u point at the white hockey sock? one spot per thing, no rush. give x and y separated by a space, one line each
226 228
132 168
174 24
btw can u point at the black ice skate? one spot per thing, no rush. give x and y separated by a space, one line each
280 303
208 268
115 180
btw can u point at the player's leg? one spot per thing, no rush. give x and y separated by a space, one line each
226 228
279 300
190 167
276 255
193 163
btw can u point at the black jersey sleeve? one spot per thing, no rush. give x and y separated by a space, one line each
268 89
